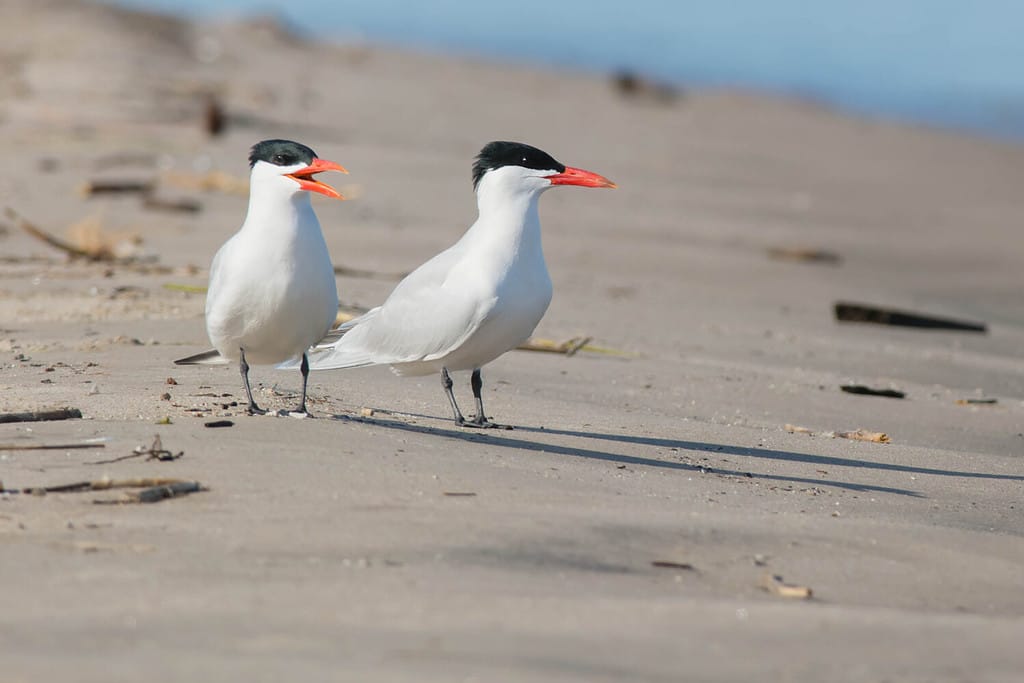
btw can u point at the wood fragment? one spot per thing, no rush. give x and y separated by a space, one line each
794 429
863 313
804 255
774 584
869 391
669 564
976 401
864 435
367 412
459 494
216 424
42 415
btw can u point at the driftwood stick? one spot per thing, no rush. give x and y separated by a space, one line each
42 415
49 447
102 485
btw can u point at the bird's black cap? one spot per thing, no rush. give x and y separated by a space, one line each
280 153
500 153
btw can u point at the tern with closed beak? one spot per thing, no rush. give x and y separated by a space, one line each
477 299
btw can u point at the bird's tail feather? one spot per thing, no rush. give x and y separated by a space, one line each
211 357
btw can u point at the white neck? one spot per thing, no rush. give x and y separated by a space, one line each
508 217
279 215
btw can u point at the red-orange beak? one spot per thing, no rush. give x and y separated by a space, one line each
304 177
577 176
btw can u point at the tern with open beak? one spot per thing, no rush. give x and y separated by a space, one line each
272 291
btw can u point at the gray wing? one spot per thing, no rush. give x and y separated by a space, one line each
425 317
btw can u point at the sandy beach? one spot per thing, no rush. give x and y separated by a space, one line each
666 496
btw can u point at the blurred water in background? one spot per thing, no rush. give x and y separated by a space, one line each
940 62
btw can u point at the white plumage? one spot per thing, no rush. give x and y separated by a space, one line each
272 292
477 299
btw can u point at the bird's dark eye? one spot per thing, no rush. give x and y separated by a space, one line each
279 159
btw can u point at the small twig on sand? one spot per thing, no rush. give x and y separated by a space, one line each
154 452
568 348
42 415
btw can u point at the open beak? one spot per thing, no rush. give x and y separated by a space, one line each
304 177
577 176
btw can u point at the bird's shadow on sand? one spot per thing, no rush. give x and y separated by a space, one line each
496 438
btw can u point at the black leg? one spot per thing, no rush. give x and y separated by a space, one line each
253 409
477 384
446 383
304 367
480 419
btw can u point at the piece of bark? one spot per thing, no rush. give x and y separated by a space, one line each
869 391
669 564
92 188
865 313
155 494
794 429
